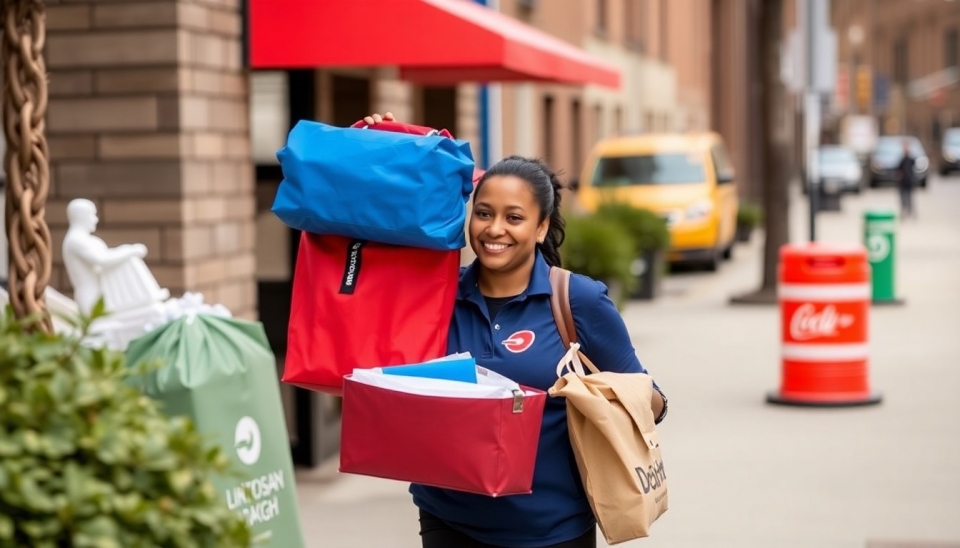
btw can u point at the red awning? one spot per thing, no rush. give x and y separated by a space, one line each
437 42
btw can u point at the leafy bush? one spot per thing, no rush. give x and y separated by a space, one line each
601 249
86 460
648 230
749 215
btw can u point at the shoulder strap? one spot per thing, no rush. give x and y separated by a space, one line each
563 313
560 304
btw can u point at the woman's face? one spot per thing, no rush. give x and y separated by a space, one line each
505 223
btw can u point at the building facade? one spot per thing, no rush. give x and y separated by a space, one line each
159 114
662 50
899 63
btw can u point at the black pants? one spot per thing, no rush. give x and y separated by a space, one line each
435 533
906 202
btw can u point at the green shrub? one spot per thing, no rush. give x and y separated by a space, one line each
648 230
601 249
749 214
86 460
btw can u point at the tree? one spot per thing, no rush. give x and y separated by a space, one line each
776 146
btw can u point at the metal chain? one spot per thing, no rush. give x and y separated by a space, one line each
26 159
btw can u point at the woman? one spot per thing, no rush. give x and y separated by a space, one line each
503 317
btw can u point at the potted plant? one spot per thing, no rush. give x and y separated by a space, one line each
650 237
87 460
749 216
602 250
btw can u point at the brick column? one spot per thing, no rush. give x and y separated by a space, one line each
148 118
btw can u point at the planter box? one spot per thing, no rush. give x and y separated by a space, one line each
744 232
649 268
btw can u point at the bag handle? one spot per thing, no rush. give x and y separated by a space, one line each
563 317
400 127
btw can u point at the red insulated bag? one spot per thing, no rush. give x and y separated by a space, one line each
365 304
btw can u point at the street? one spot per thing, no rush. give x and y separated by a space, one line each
743 473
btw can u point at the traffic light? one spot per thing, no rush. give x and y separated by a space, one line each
864 86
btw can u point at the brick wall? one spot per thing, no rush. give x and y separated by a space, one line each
148 118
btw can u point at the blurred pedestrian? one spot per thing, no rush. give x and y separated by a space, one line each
504 318
906 180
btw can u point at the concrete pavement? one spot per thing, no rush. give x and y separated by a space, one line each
746 474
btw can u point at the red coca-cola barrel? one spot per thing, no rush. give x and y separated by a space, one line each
824 294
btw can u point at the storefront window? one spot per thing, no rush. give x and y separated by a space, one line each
269 115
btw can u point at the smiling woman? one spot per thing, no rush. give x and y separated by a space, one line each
503 316
516 211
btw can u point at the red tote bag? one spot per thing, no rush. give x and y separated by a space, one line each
476 445
365 304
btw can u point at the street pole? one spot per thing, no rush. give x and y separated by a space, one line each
807 15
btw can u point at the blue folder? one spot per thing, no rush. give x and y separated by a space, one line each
462 369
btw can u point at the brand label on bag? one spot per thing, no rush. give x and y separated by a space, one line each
652 478
258 499
247 440
352 268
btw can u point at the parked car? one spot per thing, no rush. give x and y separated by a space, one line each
840 170
886 158
687 179
950 151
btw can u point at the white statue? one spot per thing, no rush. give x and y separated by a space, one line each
134 302
117 274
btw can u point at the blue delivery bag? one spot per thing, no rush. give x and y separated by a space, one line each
383 186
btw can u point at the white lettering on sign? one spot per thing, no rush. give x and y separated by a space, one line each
257 499
807 323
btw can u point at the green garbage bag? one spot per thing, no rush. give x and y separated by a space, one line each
221 373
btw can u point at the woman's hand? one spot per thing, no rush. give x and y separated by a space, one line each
376 118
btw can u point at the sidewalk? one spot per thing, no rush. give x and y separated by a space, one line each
747 474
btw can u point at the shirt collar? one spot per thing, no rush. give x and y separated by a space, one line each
539 281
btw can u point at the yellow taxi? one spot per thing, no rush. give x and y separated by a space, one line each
685 178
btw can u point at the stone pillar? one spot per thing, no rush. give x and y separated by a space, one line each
148 118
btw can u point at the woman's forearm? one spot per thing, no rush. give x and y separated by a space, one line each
657 404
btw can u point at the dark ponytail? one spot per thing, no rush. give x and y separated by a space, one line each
546 187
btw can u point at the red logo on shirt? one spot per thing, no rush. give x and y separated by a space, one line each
520 341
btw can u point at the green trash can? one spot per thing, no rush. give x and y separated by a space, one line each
879 237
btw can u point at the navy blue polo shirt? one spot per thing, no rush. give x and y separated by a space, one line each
557 510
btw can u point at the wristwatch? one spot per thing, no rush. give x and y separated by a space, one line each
664 412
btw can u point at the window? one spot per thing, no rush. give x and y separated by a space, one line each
598 122
649 169
951 48
525 9
662 31
601 17
576 135
634 20
722 163
900 70
649 124
269 114
548 127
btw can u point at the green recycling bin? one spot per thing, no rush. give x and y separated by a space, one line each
879 237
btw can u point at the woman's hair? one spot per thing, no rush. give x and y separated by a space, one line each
546 190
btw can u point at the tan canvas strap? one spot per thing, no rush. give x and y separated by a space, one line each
560 304
563 316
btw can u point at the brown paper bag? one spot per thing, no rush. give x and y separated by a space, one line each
617 450
612 431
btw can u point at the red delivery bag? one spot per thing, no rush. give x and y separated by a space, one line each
483 445
365 304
